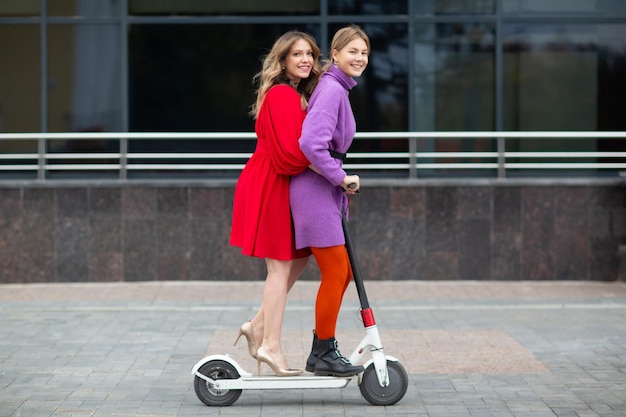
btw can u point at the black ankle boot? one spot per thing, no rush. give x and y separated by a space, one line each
310 362
330 362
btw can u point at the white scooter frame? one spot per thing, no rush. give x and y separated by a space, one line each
219 379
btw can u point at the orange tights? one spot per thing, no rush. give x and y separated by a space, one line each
336 272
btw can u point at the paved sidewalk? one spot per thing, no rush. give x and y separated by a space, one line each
471 349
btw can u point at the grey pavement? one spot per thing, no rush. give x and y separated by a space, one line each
492 349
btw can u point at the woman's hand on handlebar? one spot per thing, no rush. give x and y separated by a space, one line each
351 184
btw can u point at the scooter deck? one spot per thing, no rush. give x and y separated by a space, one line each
275 382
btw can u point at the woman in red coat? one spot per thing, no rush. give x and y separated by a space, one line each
261 223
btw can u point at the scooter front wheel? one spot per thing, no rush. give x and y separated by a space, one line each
392 393
206 391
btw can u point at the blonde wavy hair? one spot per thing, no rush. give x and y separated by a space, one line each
272 70
342 38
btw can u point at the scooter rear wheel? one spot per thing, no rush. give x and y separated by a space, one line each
392 393
205 390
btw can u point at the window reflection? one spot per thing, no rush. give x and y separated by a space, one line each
454 76
564 77
84 89
84 78
555 75
454 84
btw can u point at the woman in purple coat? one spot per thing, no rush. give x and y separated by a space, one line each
318 194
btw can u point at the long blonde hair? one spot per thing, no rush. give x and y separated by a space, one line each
272 70
342 38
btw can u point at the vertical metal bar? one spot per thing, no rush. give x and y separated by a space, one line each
499 90
324 38
412 157
43 89
354 263
123 175
123 159
501 158
41 159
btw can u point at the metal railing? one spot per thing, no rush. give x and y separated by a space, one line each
408 164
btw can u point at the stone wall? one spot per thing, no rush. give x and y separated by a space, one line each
427 230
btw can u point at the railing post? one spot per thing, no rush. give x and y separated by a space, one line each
41 159
501 158
412 157
123 158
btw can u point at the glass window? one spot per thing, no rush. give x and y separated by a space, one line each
19 94
454 84
84 78
558 77
564 6
19 79
367 7
197 77
19 7
221 7
451 7
84 8
84 88
454 77
188 78
564 77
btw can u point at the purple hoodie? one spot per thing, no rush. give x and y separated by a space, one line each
316 200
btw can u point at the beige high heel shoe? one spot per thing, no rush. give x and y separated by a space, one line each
263 356
247 331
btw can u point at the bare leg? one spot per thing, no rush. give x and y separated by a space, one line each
274 300
281 276
297 266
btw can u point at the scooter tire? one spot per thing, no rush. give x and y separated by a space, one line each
210 395
391 394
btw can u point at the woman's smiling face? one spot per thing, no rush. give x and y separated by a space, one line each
353 58
299 61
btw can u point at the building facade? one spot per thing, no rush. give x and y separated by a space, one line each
436 65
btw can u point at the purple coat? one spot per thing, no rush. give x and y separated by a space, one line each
316 200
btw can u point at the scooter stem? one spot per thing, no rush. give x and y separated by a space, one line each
368 318
356 271
371 341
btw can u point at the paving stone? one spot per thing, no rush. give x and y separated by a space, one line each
471 349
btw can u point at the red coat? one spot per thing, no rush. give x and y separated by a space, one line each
261 223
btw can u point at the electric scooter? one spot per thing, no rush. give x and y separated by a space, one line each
219 379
